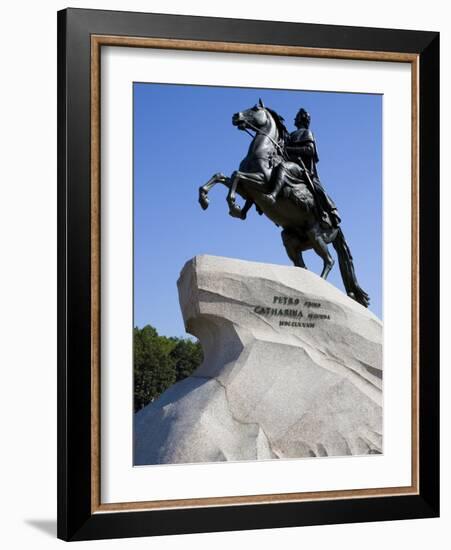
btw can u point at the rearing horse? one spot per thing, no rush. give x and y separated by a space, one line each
294 209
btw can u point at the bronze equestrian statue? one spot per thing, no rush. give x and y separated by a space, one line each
279 176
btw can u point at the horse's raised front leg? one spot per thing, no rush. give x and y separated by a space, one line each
204 190
234 209
241 213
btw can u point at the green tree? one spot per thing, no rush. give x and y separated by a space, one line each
159 362
153 368
187 356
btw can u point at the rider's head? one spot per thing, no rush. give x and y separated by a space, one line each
302 119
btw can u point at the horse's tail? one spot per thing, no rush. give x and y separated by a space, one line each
347 270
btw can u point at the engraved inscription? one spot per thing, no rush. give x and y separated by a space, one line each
295 313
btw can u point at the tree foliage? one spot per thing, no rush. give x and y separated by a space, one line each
159 362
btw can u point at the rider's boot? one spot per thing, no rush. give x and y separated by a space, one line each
278 184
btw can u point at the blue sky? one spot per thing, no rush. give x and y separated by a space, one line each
183 135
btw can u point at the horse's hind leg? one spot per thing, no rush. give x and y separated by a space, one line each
293 246
319 245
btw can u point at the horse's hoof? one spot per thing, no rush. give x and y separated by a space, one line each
236 213
204 202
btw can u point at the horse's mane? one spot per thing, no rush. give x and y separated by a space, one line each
281 128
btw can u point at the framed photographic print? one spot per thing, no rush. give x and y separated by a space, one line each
248 274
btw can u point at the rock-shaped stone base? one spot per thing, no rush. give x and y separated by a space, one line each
292 368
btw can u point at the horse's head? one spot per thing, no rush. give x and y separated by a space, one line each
255 118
